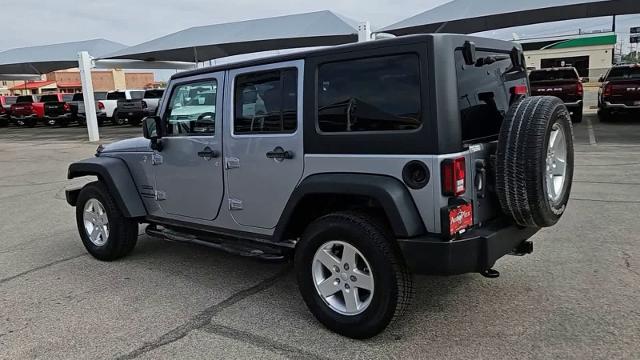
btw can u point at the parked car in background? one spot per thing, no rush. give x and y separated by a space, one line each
56 110
27 111
564 83
620 92
134 110
5 109
78 109
108 108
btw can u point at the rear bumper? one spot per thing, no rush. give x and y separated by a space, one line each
608 105
58 117
577 104
132 113
477 251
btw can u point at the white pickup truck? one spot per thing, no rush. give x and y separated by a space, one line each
135 110
108 108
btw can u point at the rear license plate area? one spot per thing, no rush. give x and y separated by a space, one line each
457 219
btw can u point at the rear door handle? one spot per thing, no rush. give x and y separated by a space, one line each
280 154
209 153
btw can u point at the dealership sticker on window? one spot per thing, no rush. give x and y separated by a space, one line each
460 218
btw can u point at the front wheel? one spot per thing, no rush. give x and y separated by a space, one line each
105 232
351 275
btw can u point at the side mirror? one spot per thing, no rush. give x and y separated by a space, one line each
152 130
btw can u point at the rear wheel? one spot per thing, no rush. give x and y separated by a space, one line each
351 276
577 116
105 233
535 161
116 119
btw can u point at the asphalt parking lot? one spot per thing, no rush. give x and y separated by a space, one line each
575 297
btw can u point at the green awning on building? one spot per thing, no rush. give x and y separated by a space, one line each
609 39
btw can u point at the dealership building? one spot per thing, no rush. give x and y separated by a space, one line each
591 54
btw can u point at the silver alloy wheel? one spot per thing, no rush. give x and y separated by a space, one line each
343 278
556 163
96 222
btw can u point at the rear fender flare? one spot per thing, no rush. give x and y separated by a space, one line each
389 192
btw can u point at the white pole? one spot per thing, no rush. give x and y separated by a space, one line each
84 63
364 31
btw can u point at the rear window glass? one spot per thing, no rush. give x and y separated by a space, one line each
25 99
118 95
624 72
153 94
10 100
373 94
78 97
549 75
67 97
100 95
136 95
49 98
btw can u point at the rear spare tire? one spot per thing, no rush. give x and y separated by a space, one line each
534 165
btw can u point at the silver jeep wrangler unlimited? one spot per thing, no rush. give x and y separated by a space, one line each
364 163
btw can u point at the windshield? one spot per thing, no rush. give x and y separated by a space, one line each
550 75
624 72
153 94
116 95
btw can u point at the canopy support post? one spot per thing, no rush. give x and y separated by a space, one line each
85 65
364 31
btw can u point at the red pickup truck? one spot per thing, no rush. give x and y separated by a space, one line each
562 82
620 92
27 111
5 109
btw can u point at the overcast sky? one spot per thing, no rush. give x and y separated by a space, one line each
39 22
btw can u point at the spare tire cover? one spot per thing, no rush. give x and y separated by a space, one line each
534 165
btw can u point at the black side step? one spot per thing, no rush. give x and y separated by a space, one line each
239 247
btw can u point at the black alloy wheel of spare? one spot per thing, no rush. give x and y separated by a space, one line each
534 165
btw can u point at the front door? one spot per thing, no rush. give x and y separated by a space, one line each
263 141
189 166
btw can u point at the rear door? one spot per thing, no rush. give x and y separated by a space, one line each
189 168
263 141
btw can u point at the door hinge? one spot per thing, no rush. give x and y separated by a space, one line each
156 159
232 163
161 195
235 204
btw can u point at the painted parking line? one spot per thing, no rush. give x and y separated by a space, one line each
591 132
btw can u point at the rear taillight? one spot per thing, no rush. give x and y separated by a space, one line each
520 90
580 89
608 90
144 104
453 177
100 105
67 107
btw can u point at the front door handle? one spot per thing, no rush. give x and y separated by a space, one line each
280 154
209 153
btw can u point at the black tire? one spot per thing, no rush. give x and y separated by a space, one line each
31 123
604 115
116 119
375 242
123 232
577 116
521 165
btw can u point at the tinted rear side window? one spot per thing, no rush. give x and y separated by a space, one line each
10 100
24 99
266 102
550 75
624 72
116 96
68 97
137 95
78 97
100 95
373 94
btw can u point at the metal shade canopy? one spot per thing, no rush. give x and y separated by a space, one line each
471 16
47 58
204 43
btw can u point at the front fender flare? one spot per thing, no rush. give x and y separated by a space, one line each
389 192
114 173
